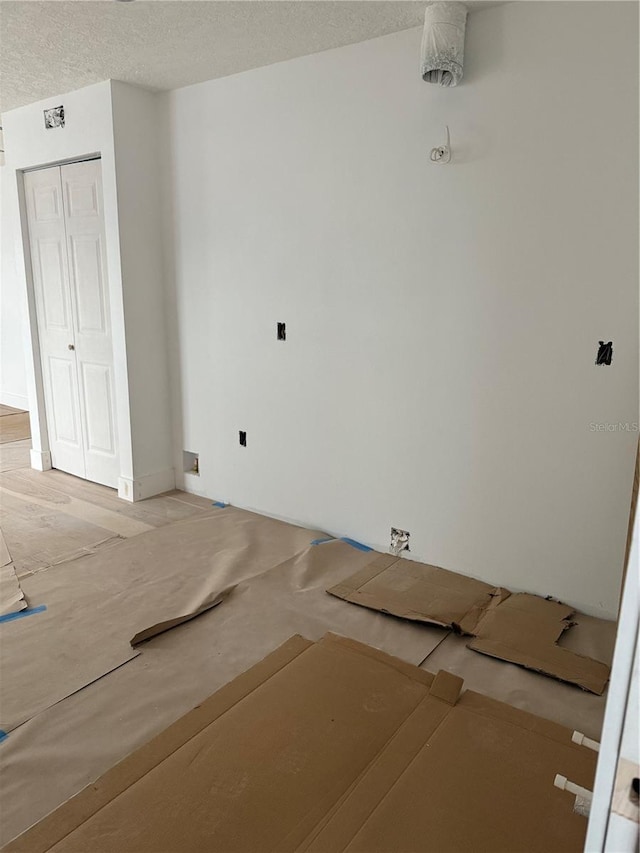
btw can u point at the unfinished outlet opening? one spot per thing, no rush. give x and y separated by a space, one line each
243 438
634 793
605 352
190 463
399 540
282 331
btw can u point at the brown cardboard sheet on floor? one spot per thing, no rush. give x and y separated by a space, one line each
525 629
97 605
179 669
334 746
417 591
529 690
519 628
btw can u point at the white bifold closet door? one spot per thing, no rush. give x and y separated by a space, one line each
66 234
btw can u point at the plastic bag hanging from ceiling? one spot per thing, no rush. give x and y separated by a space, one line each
443 43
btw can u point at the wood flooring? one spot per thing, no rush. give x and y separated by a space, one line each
14 424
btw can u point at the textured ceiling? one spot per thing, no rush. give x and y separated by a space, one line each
48 47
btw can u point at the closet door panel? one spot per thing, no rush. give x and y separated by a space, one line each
82 198
56 334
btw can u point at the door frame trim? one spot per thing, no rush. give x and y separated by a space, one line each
65 162
41 453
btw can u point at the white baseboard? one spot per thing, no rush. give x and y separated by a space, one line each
146 486
16 401
40 459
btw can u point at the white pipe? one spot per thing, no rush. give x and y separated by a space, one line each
563 783
582 804
442 48
583 740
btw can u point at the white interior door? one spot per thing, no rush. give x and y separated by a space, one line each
66 232
82 198
47 237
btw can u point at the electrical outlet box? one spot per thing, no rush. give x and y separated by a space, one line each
399 540
605 352
190 463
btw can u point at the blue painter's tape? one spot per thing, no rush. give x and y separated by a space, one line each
355 544
3 735
320 541
219 503
10 617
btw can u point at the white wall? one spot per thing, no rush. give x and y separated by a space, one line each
13 380
442 322
93 119
136 114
